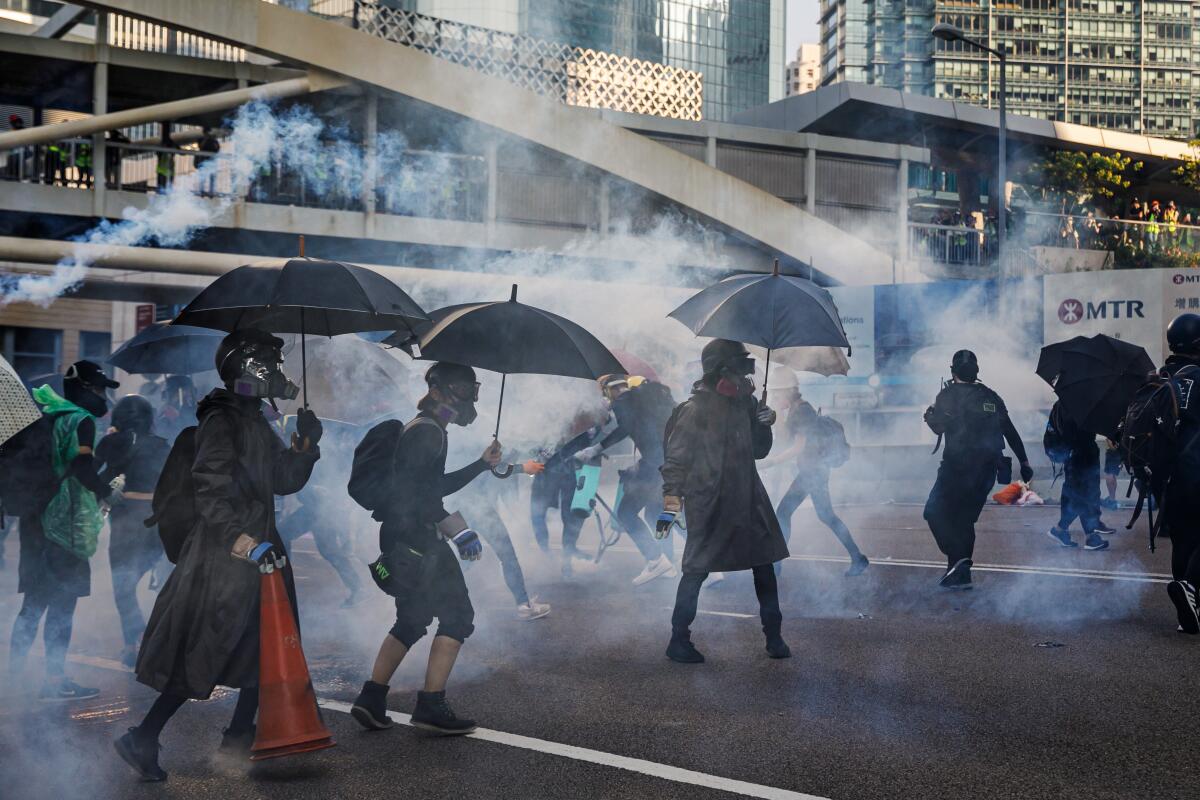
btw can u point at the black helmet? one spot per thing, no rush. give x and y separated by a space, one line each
964 366
1183 334
244 342
444 374
133 413
724 354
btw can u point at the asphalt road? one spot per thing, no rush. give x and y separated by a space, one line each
896 689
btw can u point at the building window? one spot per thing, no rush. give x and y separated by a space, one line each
33 352
96 346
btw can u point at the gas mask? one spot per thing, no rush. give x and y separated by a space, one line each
259 373
736 377
460 401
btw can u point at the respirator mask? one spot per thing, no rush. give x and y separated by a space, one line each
259 373
462 398
736 377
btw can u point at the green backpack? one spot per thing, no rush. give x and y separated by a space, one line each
72 520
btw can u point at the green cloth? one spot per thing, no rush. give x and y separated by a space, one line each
72 520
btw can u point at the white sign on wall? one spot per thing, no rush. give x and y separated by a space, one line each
1132 305
856 304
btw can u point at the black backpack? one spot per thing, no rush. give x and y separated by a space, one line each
1058 450
27 479
373 471
829 441
174 503
1150 440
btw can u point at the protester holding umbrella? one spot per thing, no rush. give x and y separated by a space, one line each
712 442
204 628
974 421
1081 482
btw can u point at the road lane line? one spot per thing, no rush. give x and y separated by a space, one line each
651 768
1023 569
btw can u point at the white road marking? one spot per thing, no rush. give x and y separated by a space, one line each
718 613
1023 569
651 768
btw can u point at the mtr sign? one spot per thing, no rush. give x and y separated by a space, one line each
1071 311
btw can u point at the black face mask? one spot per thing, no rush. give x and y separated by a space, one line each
85 398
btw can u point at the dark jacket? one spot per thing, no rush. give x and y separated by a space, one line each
1185 478
204 627
711 448
641 415
139 457
976 425
421 483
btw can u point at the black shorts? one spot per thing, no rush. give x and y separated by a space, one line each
1112 462
441 593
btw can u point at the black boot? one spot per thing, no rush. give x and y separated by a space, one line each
777 647
682 650
370 707
238 742
141 754
434 714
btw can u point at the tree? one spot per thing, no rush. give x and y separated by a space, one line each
1188 173
1074 178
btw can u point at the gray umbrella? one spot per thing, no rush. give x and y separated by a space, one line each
17 409
771 311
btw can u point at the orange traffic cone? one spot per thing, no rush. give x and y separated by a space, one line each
289 721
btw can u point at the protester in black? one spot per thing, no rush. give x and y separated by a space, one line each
51 578
712 442
974 421
555 485
641 408
178 409
414 539
1081 484
204 629
1181 503
812 472
132 454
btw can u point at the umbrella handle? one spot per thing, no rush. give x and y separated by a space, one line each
500 409
504 471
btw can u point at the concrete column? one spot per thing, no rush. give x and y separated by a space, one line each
810 181
605 210
100 106
371 166
710 151
493 182
902 211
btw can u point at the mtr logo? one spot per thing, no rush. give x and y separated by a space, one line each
1071 311
1179 278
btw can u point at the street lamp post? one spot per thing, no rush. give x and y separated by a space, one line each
949 33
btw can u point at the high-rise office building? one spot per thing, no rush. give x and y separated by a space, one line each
1122 64
803 73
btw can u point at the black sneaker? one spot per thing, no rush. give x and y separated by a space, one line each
778 648
958 576
140 754
857 566
683 651
1104 530
238 742
1183 595
370 707
64 690
1095 541
1061 536
434 714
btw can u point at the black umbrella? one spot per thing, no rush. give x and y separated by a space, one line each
770 311
509 337
303 295
1095 378
168 349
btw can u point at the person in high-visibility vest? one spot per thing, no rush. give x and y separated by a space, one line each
83 163
1171 217
1153 229
165 170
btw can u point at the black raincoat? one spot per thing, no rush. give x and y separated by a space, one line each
203 631
711 445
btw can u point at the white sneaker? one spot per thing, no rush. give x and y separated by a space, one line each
714 578
532 610
658 568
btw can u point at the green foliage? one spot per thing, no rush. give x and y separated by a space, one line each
1074 179
1188 173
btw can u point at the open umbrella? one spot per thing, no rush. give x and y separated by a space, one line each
354 381
17 409
1095 378
302 295
633 365
509 337
771 311
168 349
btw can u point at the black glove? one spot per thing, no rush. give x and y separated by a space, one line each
1026 472
308 429
268 557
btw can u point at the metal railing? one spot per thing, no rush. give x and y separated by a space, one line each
950 244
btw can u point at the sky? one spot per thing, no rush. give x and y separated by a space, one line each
801 24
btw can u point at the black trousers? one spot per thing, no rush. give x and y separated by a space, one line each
814 482
133 550
954 504
1183 526
687 597
59 609
1081 489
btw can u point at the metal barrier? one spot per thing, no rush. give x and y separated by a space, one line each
950 244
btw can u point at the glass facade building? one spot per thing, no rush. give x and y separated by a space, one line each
736 44
1130 65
